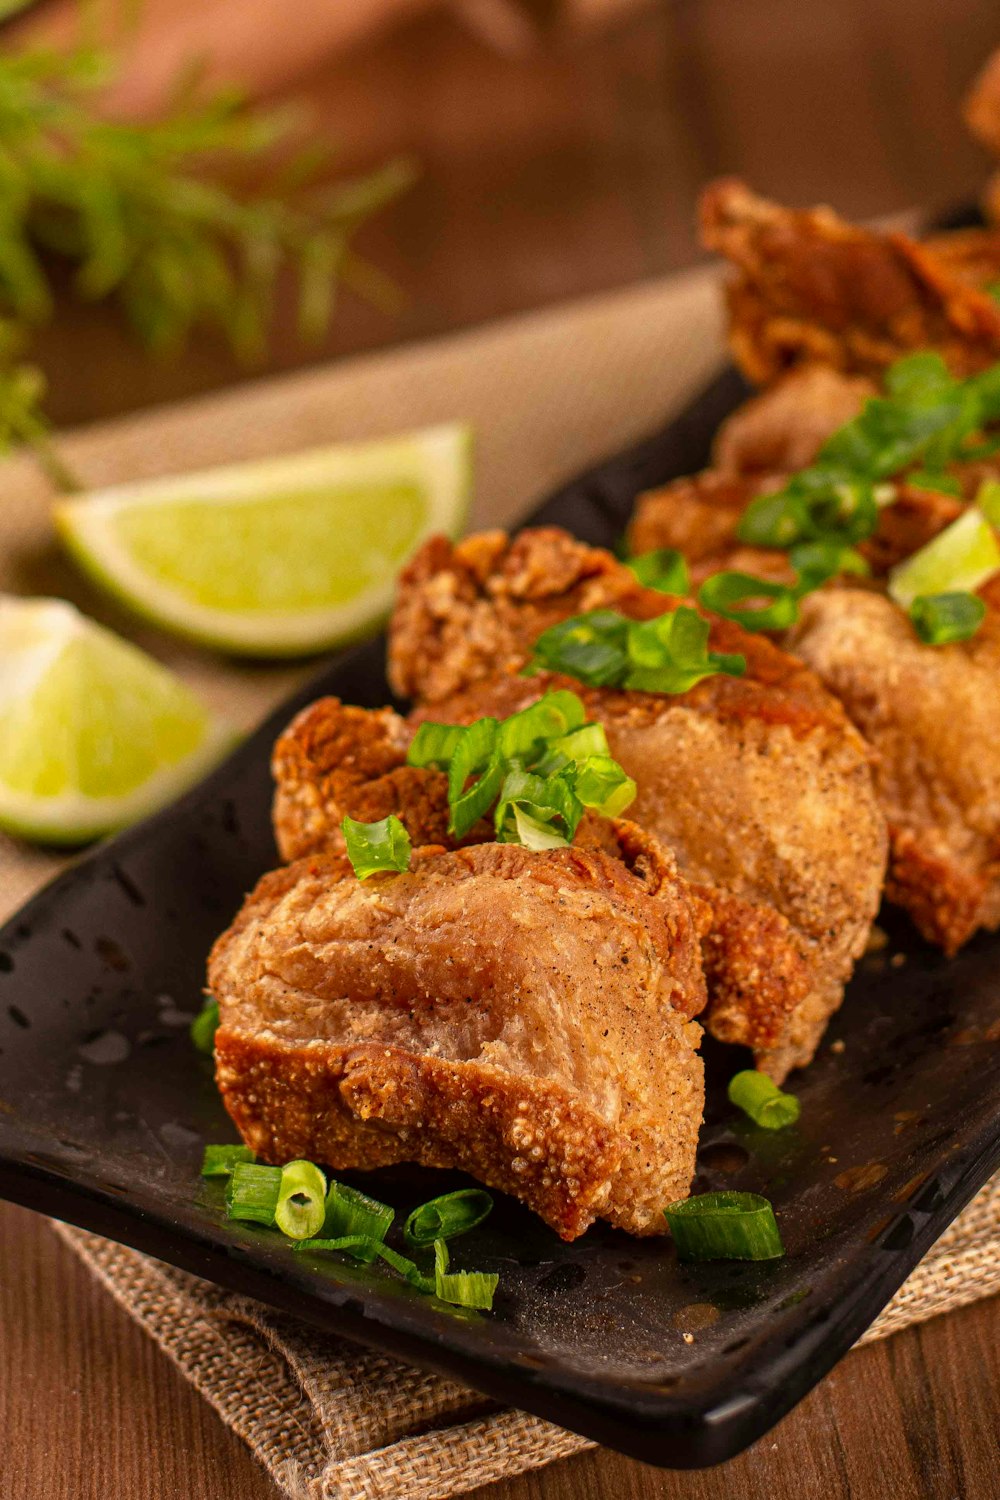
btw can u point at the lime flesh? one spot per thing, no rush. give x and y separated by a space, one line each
93 733
282 557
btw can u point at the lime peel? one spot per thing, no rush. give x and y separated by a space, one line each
94 734
281 557
959 559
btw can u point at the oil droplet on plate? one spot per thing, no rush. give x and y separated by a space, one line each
856 1179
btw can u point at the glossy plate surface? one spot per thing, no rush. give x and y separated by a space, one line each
104 1107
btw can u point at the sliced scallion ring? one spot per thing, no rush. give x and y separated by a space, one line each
434 745
445 1217
958 560
725 593
940 619
219 1161
760 1098
301 1206
375 848
252 1192
462 1288
664 570
350 1212
724 1226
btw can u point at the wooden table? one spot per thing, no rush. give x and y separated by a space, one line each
564 174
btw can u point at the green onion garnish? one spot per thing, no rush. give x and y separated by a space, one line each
941 618
252 1192
815 563
760 1098
376 847
664 570
541 767
301 1206
445 1217
724 593
958 560
433 745
205 1025
363 1247
724 1226
219 1161
667 654
462 1288
988 501
350 1212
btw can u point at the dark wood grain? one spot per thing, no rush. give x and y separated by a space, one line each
92 1409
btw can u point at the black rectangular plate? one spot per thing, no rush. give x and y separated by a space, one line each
104 1107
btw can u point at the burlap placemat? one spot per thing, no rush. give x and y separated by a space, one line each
548 394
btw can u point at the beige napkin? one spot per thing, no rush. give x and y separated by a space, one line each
548 394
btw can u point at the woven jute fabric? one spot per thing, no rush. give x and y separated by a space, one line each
548 394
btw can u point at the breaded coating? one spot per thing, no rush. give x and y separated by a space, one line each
699 516
336 761
812 289
784 428
523 1016
933 717
759 784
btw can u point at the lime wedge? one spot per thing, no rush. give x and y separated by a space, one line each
93 733
280 557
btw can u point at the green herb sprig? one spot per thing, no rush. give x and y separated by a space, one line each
183 222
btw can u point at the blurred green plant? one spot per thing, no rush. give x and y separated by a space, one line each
184 222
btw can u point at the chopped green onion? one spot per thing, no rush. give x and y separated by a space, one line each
590 647
958 560
350 1212
940 483
760 1098
205 1025
723 593
434 745
992 289
445 1217
253 1192
941 618
599 782
476 754
301 1206
724 1226
664 570
462 1288
669 654
548 807
365 1248
374 848
817 562
553 717
219 1161
581 744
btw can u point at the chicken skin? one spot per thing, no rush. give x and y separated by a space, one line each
931 713
759 784
812 289
522 1015
933 716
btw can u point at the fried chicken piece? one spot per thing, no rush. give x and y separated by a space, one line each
759 784
700 516
813 289
523 1016
336 761
933 716
784 428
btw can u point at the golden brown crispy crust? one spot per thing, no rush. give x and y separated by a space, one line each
669 517
811 288
981 108
336 761
473 611
933 718
520 1015
776 824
